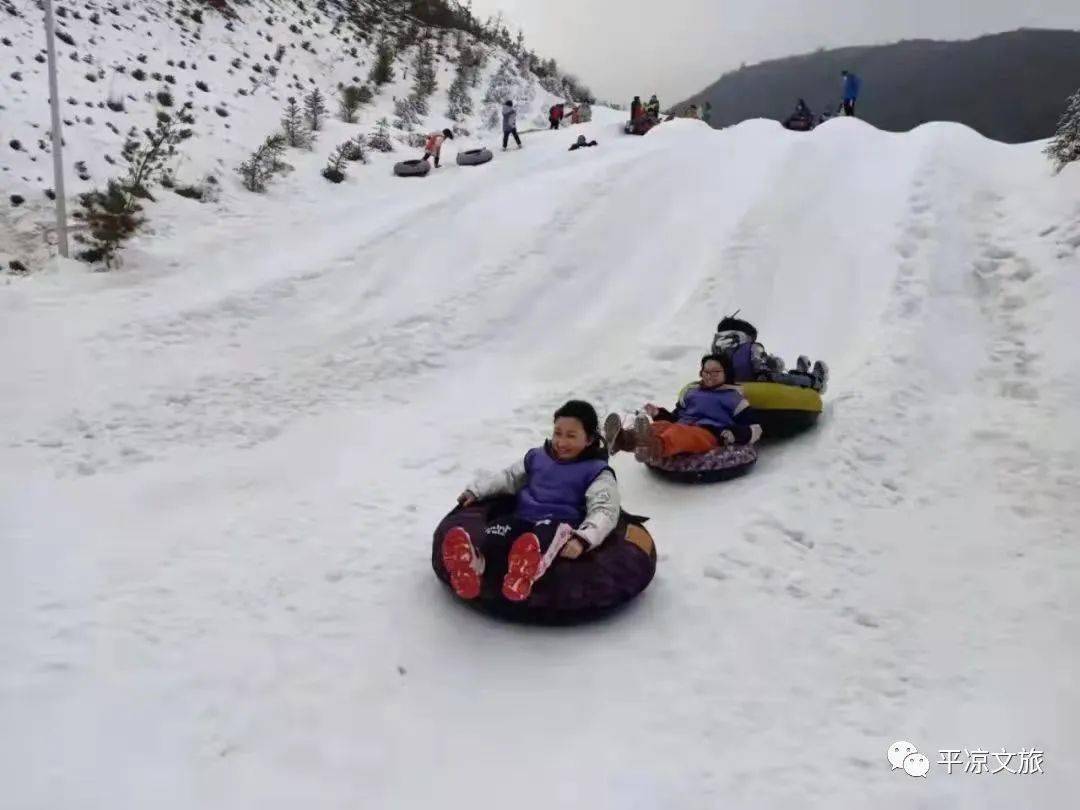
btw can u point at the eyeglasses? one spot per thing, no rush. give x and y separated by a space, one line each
716 373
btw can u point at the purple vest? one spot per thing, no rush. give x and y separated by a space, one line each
710 408
742 363
556 489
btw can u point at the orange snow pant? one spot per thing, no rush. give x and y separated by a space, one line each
676 438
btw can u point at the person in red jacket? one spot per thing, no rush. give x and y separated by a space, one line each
555 115
433 146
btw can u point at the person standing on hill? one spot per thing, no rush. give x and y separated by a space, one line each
653 107
636 108
509 121
852 85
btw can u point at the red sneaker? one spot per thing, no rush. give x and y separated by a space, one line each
462 562
523 568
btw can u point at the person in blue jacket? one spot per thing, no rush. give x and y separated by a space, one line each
852 85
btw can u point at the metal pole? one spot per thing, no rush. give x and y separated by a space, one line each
57 137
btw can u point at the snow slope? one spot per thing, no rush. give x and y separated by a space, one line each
221 466
236 71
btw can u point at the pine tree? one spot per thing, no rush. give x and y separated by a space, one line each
1064 148
460 101
354 14
478 60
356 149
335 167
146 159
502 83
380 140
264 163
382 72
406 115
424 79
110 217
352 97
315 109
292 123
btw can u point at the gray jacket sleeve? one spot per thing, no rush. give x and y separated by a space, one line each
602 507
759 359
504 482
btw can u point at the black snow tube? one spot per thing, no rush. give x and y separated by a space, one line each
721 464
572 591
474 157
412 168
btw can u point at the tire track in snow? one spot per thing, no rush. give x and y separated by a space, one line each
365 361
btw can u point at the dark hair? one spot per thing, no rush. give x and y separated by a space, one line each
583 412
725 363
448 134
737 325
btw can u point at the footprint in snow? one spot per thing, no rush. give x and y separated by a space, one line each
860 618
712 572
906 249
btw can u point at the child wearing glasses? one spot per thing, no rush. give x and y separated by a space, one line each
708 415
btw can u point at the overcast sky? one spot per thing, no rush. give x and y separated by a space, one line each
676 47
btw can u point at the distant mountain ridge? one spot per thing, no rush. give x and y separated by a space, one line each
1011 87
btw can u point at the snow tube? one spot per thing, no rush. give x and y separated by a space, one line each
721 464
474 157
412 168
641 126
799 123
782 410
572 591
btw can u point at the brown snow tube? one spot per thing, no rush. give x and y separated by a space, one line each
572 591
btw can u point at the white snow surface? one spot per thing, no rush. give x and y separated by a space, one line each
221 466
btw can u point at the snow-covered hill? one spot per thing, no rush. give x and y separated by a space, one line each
119 64
220 466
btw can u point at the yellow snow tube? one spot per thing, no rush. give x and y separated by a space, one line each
767 396
782 410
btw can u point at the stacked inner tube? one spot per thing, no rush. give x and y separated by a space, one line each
474 157
571 591
412 168
782 410
721 464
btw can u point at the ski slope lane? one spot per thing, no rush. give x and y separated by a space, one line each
222 466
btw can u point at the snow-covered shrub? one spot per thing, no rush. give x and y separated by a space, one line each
351 99
111 217
380 139
506 83
1064 148
335 167
264 163
406 116
355 150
